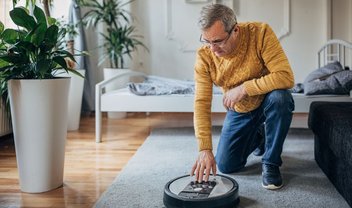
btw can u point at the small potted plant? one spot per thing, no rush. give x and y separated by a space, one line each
119 38
29 59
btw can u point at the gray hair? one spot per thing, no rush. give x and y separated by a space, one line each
215 12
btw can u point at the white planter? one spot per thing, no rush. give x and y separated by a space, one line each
118 83
74 99
39 120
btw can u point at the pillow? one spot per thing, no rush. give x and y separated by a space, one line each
329 79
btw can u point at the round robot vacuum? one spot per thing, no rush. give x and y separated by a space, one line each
218 192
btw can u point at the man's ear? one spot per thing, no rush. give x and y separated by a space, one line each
236 28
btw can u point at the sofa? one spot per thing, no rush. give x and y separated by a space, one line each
331 123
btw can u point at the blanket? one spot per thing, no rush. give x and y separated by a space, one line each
329 79
155 85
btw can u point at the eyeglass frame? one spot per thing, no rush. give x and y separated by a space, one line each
218 43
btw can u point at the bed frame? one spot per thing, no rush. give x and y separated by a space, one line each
333 50
121 100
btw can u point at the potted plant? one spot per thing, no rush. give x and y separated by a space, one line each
119 38
67 33
38 98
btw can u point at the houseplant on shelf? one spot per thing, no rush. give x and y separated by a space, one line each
119 37
29 59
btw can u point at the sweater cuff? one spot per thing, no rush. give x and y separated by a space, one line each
205 144
250 88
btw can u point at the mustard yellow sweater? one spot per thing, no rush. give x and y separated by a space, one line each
259 63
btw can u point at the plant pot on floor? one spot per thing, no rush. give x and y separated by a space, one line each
39 120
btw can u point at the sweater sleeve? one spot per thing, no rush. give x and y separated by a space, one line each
280 75
202 101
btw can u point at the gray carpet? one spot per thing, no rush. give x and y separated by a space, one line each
169 153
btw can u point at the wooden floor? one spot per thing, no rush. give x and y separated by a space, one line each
89 167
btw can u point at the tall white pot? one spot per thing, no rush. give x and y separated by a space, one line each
39 120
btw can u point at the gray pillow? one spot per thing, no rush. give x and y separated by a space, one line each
329 79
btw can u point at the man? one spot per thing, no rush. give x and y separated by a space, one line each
247 61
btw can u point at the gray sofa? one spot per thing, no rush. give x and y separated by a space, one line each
331 123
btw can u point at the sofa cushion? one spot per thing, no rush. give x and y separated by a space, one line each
332 122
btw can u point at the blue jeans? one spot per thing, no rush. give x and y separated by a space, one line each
239 135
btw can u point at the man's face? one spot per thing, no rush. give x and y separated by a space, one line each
221 42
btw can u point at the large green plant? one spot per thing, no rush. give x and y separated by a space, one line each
30 51
120 38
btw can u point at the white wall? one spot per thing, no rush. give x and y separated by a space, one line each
170 30
342 23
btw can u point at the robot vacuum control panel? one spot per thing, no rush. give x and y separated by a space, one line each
195 189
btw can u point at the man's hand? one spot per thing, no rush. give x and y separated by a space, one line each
205 163
233 96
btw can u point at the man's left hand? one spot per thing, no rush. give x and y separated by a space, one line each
233 96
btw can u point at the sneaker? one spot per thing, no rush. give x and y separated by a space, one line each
259 151
271 177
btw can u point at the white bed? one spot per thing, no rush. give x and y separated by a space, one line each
121 100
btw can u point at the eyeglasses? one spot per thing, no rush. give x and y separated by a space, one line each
218 43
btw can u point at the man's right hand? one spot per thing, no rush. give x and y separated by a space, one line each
205 163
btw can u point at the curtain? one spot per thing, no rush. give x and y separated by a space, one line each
88 101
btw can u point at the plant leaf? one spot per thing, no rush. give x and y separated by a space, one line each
65 54
40 16
3 63
21 18
43 67
51 21
75 72
39 34
10 36
1 28
51 35
26 46
60 61
12 58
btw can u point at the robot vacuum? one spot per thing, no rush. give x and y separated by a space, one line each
219 192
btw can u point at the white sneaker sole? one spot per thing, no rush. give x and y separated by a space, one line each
272 186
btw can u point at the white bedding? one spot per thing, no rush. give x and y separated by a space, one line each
123 100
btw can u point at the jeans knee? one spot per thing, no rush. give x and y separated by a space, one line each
229 168
281 99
